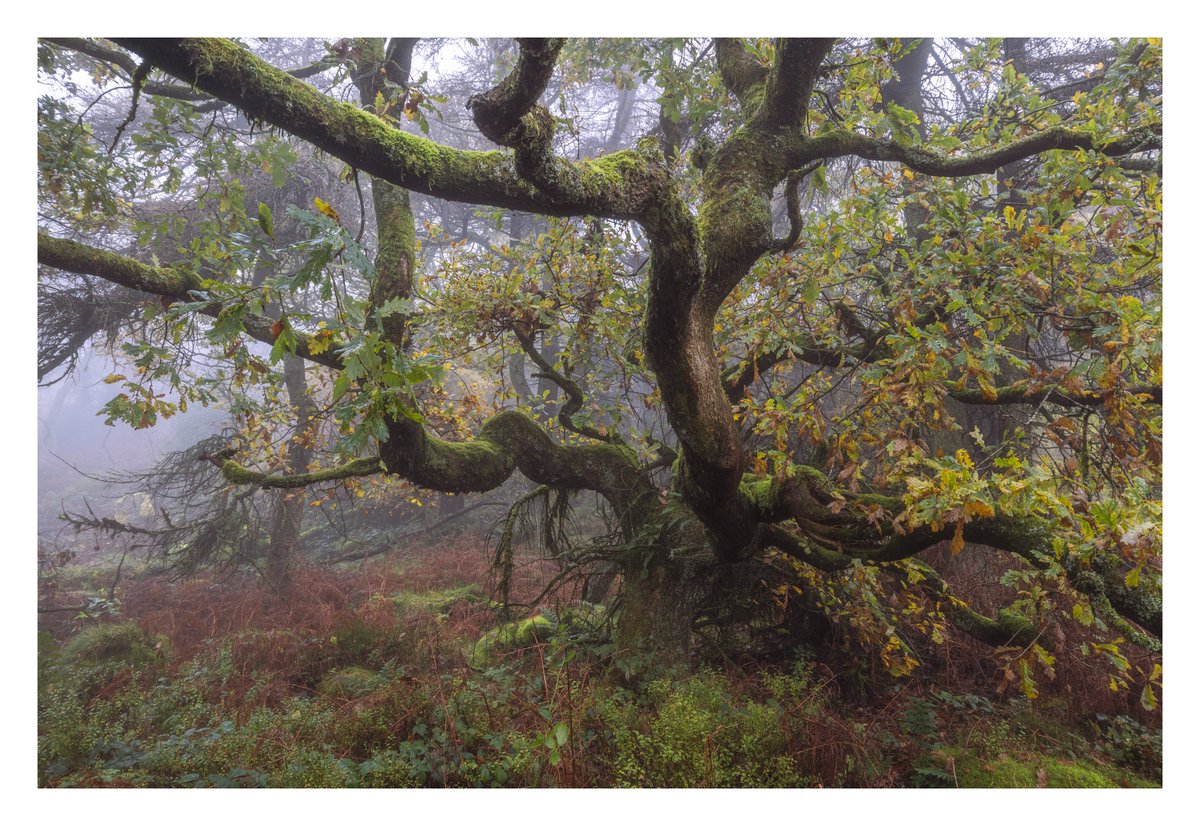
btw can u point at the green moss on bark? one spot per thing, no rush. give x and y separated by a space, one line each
242 475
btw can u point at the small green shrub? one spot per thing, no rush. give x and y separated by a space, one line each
124 643
696 734
68 735
1130 744
313 769
382 770
350 682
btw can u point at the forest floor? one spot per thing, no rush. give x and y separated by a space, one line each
402 672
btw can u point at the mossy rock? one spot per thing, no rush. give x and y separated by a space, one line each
435 602
350 683
123 643
584 616
1033 771
511 635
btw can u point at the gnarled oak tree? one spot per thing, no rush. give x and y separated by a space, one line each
889 294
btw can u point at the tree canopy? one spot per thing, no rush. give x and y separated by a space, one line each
814 318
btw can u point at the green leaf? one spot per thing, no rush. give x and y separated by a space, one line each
812 291
818 179
561 733
266 220
1133 578
285 342
1148 699
395 305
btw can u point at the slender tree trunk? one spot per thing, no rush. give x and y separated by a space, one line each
288 517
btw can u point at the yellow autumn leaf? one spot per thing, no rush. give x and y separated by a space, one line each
957 543
987 389
320 342
977 508
326 209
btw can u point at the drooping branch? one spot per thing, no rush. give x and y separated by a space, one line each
574 403
831 540
1027 394
171 283
792 195
511 441
1008 628
842 143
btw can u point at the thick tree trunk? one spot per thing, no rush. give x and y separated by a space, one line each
685 603
659 606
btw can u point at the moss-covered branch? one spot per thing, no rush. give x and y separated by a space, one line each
512 441
116 57
229 72
169 282
1031 394
1008 628
832 537
71 256
498 112
242 475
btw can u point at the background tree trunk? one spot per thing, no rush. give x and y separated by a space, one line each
288 517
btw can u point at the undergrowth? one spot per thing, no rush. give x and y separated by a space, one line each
403 674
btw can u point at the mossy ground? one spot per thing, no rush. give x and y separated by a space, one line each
1030 771
374 679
